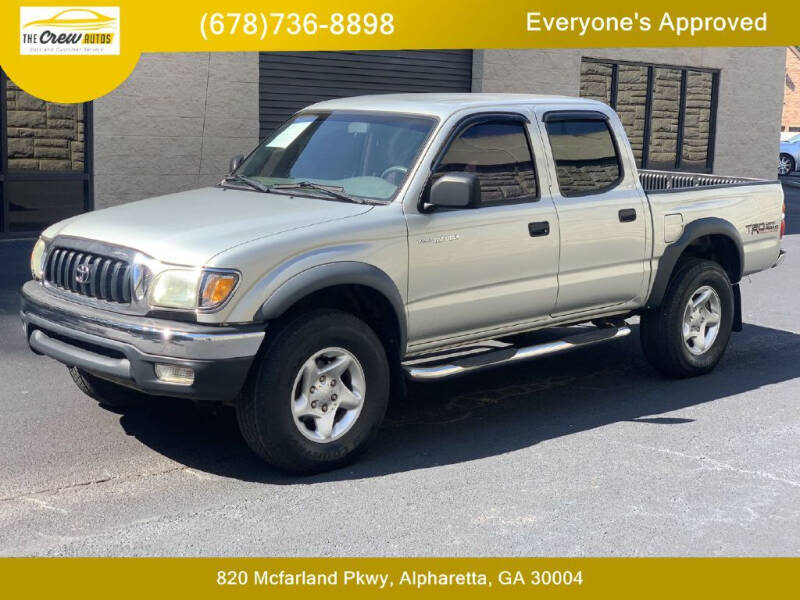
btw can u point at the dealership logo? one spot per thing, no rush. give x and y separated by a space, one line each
47 30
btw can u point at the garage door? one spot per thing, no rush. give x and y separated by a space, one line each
291 80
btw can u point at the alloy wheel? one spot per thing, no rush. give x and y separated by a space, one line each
701 320
328 395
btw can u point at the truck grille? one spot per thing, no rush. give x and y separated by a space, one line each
89 275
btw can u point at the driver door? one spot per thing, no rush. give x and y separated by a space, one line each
477 269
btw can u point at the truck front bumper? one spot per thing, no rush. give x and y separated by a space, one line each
126 349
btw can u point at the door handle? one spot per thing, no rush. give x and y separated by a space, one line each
626 215
539 228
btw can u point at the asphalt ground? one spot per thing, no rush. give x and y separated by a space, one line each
590 453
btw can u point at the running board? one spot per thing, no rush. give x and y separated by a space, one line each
505 356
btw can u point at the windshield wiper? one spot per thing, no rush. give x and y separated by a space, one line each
256 185
333 191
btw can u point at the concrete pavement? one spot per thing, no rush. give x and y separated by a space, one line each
590 453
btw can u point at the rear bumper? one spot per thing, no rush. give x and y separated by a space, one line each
125 349
781 256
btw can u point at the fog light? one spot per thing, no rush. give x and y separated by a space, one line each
175 374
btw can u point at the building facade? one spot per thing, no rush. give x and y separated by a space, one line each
790 121
177 120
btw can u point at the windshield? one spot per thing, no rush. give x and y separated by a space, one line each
367 155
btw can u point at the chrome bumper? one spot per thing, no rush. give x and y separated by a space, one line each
151 336
125 349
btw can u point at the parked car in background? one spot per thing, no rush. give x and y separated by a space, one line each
789 156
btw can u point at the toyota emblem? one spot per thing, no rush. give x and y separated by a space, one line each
82 274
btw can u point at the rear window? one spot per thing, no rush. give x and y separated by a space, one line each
585 156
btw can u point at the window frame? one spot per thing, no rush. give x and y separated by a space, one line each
86 176
651 67
457 129
584 115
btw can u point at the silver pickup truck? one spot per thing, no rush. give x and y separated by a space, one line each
380 238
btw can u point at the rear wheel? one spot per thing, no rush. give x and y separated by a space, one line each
785 164
687 335
318 394
105 392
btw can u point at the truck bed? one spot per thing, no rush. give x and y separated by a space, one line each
752 206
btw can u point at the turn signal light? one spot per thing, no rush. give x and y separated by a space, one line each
217 287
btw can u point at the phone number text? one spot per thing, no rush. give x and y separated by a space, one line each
260 24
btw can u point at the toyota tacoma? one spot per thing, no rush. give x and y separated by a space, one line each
379 238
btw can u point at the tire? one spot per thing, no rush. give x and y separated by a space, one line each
277 391
662 330
105 392
786 164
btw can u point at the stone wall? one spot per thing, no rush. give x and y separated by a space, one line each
631 101
750 91
696 120
43 136
174 124
596 81
665 116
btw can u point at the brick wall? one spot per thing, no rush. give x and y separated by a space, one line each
43 136
791 91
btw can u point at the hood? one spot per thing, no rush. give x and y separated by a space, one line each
189 228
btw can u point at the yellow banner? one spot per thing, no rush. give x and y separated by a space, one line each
355 578
72 53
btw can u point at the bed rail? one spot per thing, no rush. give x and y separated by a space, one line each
670 180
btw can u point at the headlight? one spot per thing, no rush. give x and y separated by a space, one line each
37 259
175 289
182 288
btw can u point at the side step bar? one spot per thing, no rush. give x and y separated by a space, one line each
505 356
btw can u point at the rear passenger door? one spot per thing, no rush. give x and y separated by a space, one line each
602 212
475 269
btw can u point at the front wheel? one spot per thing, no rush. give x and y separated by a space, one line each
785 165
318 394
687 335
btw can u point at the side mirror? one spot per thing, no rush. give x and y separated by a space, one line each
235 162
456 190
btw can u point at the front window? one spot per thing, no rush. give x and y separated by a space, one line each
498 153
367 155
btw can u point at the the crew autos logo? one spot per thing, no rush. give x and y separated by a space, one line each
69 30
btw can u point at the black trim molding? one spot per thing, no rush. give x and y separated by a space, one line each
693 231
